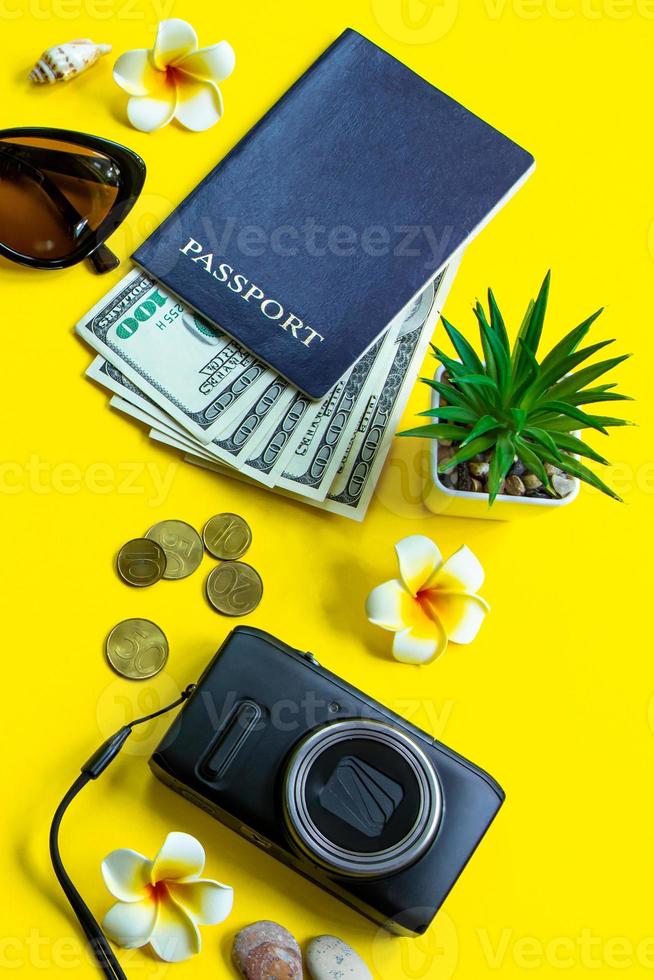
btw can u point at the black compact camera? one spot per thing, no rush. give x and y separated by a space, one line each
327 780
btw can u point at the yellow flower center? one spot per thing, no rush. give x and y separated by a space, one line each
157 891
173 75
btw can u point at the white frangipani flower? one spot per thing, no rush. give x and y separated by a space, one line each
162 902
176 79
435 601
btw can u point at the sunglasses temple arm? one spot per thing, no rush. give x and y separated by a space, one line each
66 209
103 259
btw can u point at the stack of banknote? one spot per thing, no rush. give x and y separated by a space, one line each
200 392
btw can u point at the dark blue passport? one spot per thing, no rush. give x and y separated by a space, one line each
339 206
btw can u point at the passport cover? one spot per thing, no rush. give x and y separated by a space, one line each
337 208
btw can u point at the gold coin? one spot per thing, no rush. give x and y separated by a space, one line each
227 536
182 544
234 588
137 648
141 562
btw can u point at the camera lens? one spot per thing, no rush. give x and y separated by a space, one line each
361 798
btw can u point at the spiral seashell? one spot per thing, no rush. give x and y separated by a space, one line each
65 61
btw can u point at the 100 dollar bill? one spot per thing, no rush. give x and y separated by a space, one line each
254 425
310 470
198 376
255 446
356 480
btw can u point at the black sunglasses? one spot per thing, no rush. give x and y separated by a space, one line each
62 194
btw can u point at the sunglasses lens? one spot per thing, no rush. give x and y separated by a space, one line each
53 195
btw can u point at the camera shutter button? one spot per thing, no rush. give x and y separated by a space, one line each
311 659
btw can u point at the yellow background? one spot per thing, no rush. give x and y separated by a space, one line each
554 698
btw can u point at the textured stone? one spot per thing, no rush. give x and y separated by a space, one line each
329 958
453 477
563 484
531 481
514 486
479 468
267 951
465 479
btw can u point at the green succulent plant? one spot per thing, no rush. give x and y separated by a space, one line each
520 407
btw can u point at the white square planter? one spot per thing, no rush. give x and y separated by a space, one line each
466 503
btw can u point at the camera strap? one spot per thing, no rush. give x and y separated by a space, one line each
91 769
